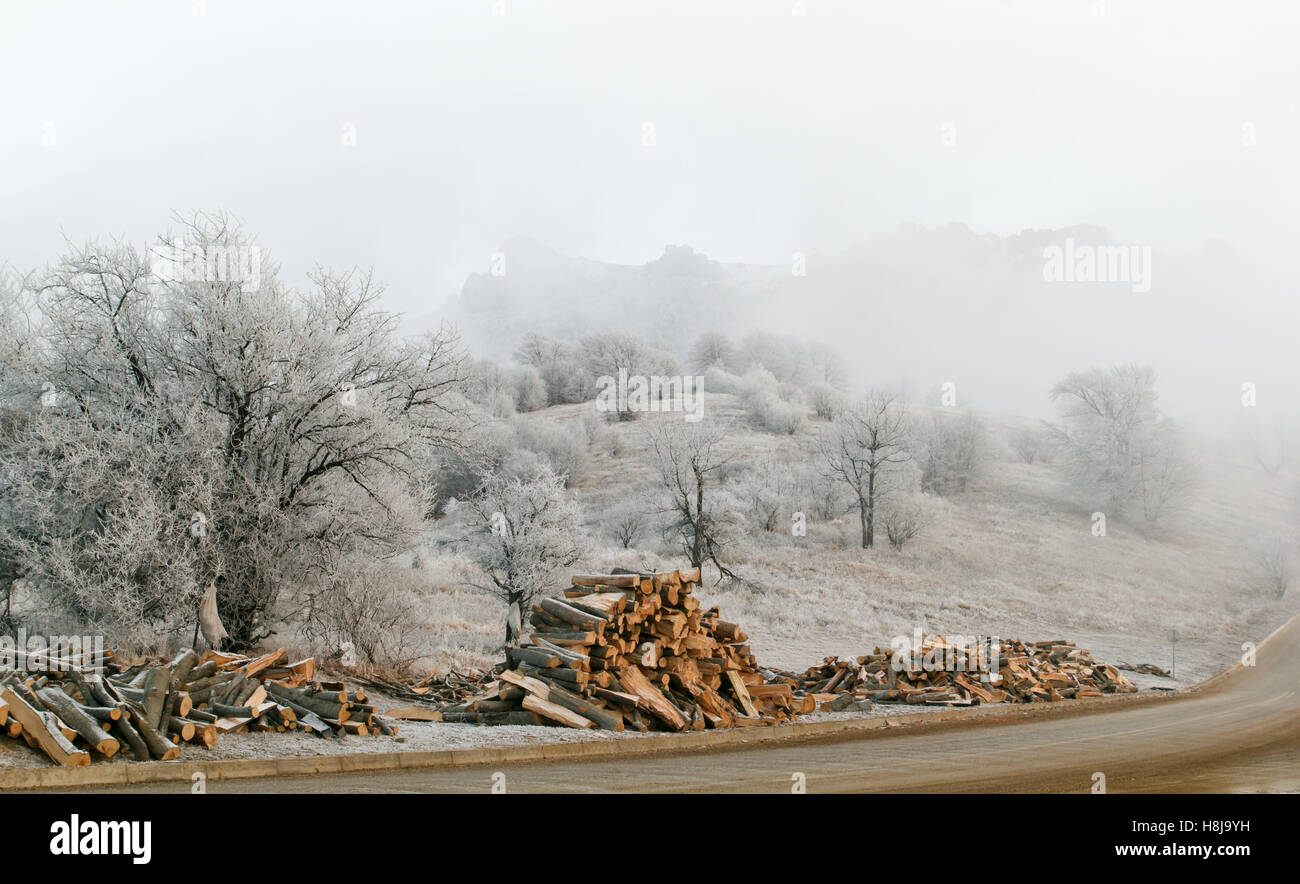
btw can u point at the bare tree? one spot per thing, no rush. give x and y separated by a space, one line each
826 401
628 524
712 349
622 354
211 423
557 364
689 458
524 532
1272 568
904 520
860 449
952 450
1030 444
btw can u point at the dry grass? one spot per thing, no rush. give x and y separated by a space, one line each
1011 557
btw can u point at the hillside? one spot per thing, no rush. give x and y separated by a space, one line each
1010 557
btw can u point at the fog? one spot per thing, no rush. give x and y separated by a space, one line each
418 138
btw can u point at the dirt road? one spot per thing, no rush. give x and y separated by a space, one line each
1240 733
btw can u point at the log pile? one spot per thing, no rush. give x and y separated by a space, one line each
943 674
631 651
1145 669
72 707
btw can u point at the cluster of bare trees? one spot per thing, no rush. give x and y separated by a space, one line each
165 432
569 371
1117 450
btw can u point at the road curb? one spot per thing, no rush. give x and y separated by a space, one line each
130 773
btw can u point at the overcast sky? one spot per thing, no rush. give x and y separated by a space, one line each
773 132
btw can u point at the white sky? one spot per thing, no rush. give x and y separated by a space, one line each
774 132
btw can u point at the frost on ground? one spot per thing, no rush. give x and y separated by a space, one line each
1011 557
413 736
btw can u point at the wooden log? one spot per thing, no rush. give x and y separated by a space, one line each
76 718
181 728
567 675
179 703
527 683
39 727
602 718
565 637
264 662
300 702
550 710
224 711
181 666
538 657
564 654
159 747
253 694
204 733
625 580
101 713
634 681
233 688
126 732
742 693
199 673
570 614
155 693
205 686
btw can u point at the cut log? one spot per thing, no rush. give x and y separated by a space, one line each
555 712
39 726
155 693
76 718
634 681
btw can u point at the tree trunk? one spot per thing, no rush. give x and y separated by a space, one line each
697 551
871 511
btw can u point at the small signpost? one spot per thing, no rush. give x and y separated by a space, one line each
1173 653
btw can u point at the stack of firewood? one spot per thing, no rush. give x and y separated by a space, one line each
70 706
942 674
630 650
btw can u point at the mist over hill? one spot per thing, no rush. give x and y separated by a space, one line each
921 307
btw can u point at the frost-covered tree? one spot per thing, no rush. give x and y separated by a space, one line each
1117 450
712 349
557 364
951 450
524 531
183 425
